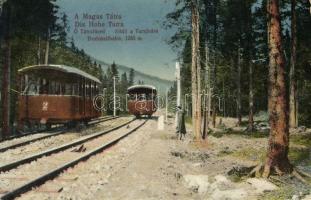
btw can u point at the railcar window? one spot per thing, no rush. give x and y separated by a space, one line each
75 89
33 86
80 88
57 88
44 86
68 89
63 89
52 89
87 89
90 89
141 97
96 89
132 97
32 89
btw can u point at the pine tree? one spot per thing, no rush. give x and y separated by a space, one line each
278 147
293 102
132 77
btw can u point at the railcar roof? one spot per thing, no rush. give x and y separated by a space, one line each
141 87
62 68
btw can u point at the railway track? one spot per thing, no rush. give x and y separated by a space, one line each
29 133
22 141
52 130
21 176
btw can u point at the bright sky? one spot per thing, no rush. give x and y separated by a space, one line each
151 56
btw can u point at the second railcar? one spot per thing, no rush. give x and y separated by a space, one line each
142 100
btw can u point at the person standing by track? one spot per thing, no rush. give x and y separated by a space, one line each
181 126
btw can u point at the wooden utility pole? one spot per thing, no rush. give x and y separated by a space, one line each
293 111
196 71
278 146
114 97
47 48
5 98
178 98
39 51
166 106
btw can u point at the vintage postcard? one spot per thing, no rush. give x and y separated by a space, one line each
155 99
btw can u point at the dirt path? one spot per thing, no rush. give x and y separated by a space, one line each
166 168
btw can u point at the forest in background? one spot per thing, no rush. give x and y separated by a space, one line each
36 32
249 56
234 49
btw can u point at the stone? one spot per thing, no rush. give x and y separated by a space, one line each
221 179
234 194
295 197
261 185
221 182
198 183
197 164
308 197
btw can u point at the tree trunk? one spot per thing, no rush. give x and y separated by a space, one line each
278 146
5 99
206 93
293 111
214 65
239 104
251 99
214 100
196 72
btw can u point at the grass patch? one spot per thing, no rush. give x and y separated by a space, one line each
295 155
255 134
192 156
250 154
280 194
218 134
304 139
235 178
298 155
188 120
224 152
246 134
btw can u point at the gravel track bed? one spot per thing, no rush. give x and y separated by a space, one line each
87 178
25 138
52 142
7 143
16 177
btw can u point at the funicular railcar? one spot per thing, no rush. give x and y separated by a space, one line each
142 100
56 94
